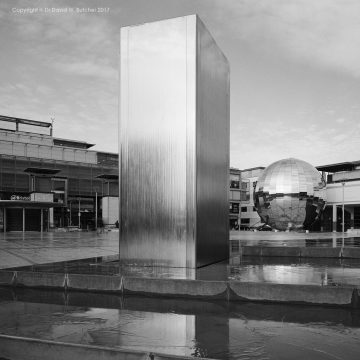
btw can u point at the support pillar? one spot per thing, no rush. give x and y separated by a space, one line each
23 216
322 222
96 211
48 222
334 218
41 220
5 220
51 217
79 215
351 211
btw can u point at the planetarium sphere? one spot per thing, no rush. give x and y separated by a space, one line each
290 194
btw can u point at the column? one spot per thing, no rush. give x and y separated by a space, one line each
23 212
96 211
5 220
351 211
334 218
79 215
41 219
51 217
48 222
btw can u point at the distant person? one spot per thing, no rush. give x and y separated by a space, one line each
117 224
100 226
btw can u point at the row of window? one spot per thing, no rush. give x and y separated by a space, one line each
239 195
247 208
235 184
234 208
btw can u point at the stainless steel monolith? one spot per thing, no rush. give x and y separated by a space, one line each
174 145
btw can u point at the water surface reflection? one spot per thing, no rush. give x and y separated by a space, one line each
282 270
183 327
324 272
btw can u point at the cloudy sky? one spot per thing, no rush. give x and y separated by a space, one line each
295 71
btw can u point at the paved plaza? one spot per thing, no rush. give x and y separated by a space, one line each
29 248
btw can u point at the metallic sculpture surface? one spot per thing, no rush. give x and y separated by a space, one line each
174 145
290 194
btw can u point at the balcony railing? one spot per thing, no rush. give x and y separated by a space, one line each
48 152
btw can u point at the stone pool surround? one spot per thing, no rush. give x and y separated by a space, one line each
301 252
341 296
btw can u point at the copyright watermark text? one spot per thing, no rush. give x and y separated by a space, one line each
55 10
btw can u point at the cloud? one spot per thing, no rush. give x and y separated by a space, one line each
69 38
340 137
323 33
87 68
340 120
314 143
2 13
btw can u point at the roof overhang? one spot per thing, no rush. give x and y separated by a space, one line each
108 177
42 171
333 168
25 121
29 204
72 143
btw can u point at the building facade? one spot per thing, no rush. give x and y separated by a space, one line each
248 217
234 198
47 182
342 212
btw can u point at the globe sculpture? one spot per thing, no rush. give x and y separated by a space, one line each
290 194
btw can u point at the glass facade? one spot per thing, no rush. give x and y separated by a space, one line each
74 187
81 178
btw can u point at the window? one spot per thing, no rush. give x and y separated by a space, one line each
234 195
58 185
243 209
42 184
234 208
235 246
245 221
245 185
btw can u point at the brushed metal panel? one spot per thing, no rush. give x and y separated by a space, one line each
191 51
161 148
153 146
212 149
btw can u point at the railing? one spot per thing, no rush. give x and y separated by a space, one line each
47 152
349 175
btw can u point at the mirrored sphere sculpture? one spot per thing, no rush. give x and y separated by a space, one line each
290 194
